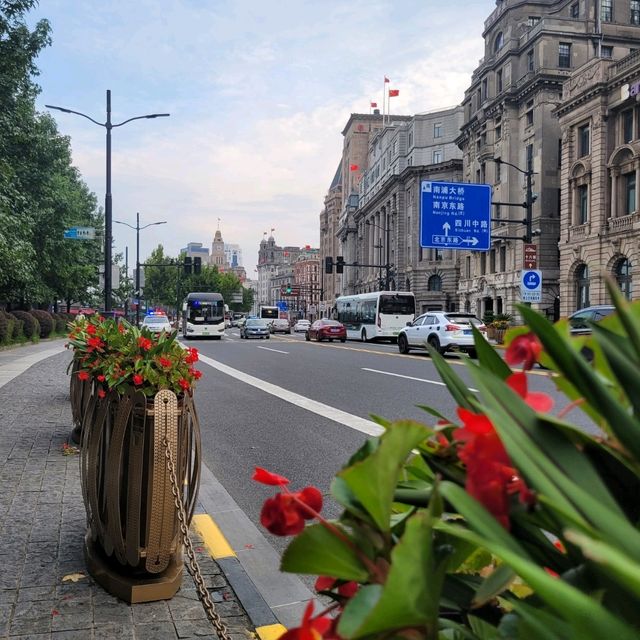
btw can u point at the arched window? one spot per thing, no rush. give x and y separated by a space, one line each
498 42
623 277
435 283
582 286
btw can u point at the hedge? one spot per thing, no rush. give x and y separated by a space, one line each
60 322
47 323
31 326
18 327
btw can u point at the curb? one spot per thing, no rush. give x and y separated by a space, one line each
259 612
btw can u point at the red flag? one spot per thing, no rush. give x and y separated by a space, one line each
374 104
354 167
386 79
393 93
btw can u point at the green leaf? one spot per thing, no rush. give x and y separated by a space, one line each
533 622
457 387
482 629
318 551
372 481
494 585
488 356
414 574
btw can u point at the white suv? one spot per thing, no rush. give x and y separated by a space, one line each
444 331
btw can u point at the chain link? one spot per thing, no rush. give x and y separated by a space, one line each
193 567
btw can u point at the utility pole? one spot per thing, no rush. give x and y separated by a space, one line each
126 270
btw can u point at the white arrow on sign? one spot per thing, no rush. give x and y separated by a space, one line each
472 241
446 226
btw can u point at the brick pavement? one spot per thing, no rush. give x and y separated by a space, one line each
42 525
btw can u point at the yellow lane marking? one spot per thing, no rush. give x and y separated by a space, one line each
270 631
212 537
459 363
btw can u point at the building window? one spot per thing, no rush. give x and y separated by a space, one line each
564 55
583 204
485 85
499 79
498 132
467 267
606 10
533 21
606 51
583 141
529 157
498 167
498 42
435 283
530 61
622 274
627 125
503 258
437 130
634 6
630 192
582 287
575 10
483 173
437 157
483 263
529 113
492 261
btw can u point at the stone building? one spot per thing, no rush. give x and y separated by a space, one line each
217 257
306 281
275 268
531 48
600 230
330 283
387 217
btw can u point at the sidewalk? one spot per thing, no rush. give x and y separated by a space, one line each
45 591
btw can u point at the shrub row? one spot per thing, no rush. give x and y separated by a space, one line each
20 326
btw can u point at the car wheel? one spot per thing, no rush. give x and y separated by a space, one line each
306 336
403 344
435 344
343 339
330 339
268 337
363 335
318 338
472 353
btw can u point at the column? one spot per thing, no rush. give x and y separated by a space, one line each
637 168
614 193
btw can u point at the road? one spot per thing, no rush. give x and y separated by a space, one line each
303 408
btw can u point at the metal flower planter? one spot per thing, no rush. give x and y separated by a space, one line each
133 546
80 392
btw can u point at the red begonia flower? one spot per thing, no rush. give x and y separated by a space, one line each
91 329
184 384
144 343
326 583
311 628
164 362
101 378
312 498
83 375
138 379
266 477
526 349
102 393
192 355
285 513
536 400
95 342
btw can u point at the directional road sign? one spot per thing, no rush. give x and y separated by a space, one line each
282 305
531 285
80 233
455 215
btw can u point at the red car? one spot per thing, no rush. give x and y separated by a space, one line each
326 329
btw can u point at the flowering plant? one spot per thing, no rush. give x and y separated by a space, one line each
119 356
505 521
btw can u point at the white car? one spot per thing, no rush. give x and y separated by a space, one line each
443 331
301 326
157 322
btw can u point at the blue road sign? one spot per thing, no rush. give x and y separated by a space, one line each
531 285
455 215
80 233
282 305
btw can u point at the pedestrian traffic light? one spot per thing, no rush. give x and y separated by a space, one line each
339 264
328 264
187 266
288 289
197 266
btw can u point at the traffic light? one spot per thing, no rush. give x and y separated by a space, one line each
339 264
197 266
288 290
187 266
328 264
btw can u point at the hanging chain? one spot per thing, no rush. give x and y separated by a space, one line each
193 567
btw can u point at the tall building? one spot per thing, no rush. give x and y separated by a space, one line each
196 250
329 244
531 48
217 258
600 230
233 255
274 269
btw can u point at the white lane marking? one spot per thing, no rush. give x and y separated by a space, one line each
274 350
399 375
342 417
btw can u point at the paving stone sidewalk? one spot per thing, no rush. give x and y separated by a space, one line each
42 525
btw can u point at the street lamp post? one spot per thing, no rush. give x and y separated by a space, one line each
137 229
108 205
387 266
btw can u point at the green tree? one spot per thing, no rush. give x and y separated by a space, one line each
160 281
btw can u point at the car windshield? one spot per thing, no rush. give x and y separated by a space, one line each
463 319
330 323
398 304
256 323
156 320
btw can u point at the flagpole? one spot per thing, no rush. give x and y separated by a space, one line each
384 89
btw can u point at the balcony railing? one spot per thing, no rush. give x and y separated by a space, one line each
623 223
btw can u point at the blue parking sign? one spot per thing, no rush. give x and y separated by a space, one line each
455 215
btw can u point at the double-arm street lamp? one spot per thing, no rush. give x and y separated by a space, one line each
108 210
137 229
387 266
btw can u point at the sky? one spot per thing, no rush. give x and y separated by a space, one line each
258 92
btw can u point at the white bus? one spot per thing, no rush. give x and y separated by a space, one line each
269 313
377 315
203 315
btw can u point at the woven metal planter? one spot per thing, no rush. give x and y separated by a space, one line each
80 393
133 547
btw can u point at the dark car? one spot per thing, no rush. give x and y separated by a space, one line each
579 321
255 328
280 325
326 329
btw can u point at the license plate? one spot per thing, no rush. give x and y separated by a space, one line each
467 332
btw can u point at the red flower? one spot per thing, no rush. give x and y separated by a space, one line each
83 375
101 378
266 477
95 343
102 393
138 379
326 583
121 328
526 349
144 343
195 373
536 400
184 384
164 362
285 513
192 355
91 329
311 628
